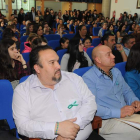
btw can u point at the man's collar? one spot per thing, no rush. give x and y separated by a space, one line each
102 72
126 48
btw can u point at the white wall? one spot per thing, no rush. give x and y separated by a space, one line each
124 5
56 6
79 6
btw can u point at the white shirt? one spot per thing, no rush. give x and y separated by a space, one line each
36 109
65 59
33 13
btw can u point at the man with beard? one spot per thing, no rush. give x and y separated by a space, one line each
52 104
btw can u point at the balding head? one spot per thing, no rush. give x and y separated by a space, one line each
97 51
102 56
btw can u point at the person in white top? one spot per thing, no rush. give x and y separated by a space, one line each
52 103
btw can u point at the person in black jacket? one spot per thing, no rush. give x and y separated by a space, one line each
21 16
32 14
47 18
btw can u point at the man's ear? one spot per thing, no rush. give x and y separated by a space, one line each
37 68
98 60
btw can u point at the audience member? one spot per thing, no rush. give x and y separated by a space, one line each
117 49
75 57
47 30
132 75
104 27
2 26
121 32
87 43
39 14
32 14
64 43
135 18
82 32
28 43
110 29
39 31
29 29
128 41
9 34
66 117
38 42
114 97
60 30
136 33
21 16
13 65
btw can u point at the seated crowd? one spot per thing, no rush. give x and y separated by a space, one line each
54 103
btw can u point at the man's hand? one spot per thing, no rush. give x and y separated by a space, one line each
136 105
68 129
61 138
119 47
127 111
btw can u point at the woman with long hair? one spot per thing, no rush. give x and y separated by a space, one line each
39 31
121 32
75 57
132 75
39 14
13 65
135 18
110 29
29 29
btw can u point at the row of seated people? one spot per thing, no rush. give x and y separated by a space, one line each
104 61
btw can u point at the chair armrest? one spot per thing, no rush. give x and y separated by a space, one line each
96 123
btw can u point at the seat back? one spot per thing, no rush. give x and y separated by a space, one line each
23 79
26 56
81 71
52 37
89 52
6 95
103 32
69 36
96 42
88 28
21 47
54 43
23 38
130 32
121 67
60 53
95 31
115 30
22 32
71 27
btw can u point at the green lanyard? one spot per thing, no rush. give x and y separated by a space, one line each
71 105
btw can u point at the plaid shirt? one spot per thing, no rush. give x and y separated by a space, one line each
103 72
20 71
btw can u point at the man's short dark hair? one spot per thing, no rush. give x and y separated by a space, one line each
34 56
126 38
106 37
